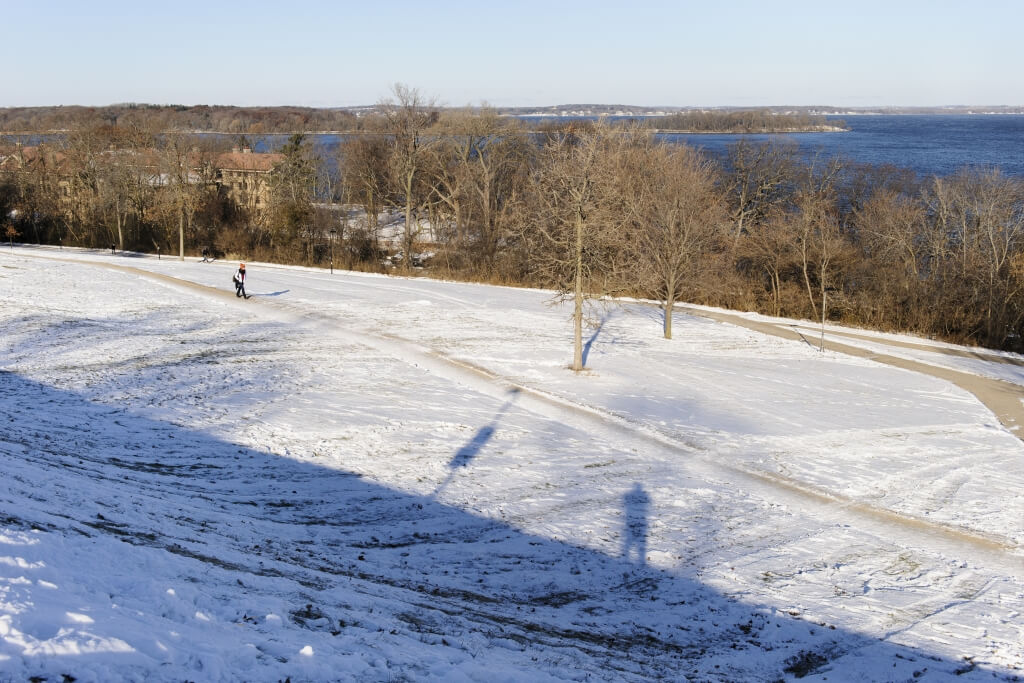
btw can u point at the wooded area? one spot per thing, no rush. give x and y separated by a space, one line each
586 208
205 118
287 120
752 121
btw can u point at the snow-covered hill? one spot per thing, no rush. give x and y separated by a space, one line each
355 477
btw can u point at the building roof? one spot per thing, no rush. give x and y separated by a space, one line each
244 160
13 159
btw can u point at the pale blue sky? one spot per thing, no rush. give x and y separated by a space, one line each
534 52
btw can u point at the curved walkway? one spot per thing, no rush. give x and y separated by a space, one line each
983 355
1004 399
896 526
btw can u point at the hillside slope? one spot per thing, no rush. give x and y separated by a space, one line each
368 478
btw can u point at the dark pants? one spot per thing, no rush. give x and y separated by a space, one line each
240 290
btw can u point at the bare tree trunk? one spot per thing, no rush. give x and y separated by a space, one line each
577 314
670 302
120 224
805 267
407 237
776 293
824 307
740 215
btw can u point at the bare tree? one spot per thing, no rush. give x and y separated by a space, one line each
983 214
480 162
568 227
821 248
676 214
408 116
185 176
140 171
364 178
292 185
39 189
892 227
364 173
80 206
446 168
115 187
769 247
759 177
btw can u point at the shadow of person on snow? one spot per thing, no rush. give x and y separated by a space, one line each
635 504
92 481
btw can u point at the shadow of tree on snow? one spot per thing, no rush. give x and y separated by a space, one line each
331 547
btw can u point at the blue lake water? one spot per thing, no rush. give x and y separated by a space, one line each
928 144
933 144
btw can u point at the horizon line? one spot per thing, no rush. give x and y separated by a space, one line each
576 105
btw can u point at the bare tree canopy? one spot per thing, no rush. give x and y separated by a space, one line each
585 208
677 219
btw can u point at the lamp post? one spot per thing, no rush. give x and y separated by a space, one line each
333 232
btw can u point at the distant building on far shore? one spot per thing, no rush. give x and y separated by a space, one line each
244 176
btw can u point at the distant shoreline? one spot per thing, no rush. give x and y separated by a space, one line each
659 131
773 131
555 117
569 111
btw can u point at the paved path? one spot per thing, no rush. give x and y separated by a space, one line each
1004 399
977 354
895 526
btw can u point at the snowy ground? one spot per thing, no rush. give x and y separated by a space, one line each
354 477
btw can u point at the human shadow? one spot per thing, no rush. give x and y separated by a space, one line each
184 525
283 291
635 505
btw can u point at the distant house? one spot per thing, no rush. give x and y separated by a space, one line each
40 158
244 176
144 163
48 164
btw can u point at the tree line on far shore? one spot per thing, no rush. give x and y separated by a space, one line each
255 121
753 121
585 208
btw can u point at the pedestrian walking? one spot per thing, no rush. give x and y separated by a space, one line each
239 280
